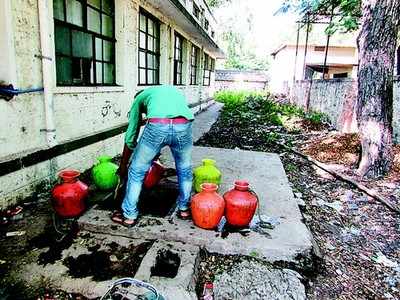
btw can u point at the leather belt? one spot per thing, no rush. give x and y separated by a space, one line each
169 121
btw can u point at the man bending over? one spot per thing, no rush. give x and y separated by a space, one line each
169 124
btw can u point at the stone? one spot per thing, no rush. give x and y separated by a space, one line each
250 280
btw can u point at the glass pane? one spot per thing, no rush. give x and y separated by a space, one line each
108 49
81 44
156 77
95 3
58 9
150 25
150 42
150 61
93 20
157 45
108 27
74 12
108 6
99 49
62 40
142 76
156 62
109 73
142 59
177 42
156 30
150 78
142 40
142 22
99 73
64 70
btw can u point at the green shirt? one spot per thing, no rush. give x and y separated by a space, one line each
162 101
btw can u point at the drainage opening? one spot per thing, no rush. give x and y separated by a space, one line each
167 264
157 202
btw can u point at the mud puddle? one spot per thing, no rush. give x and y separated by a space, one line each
106 264
56 244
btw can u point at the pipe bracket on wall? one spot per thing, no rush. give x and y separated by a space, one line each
8 92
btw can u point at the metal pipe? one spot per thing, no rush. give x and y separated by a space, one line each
327 48
305 48
47 71
9 92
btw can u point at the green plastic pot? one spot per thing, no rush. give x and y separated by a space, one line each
206 173
104 173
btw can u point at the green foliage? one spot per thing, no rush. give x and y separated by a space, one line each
316 118
271 137
290 168
239 55
347 12
249 106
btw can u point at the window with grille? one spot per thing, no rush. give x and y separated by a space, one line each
178 60
207 70
194 57
196 11
206 24
84 42
149 49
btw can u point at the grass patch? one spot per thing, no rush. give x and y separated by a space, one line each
245 106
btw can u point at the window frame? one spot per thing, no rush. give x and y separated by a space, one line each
94 35
196 11
178 61
194 64
156 52
206 24
207 71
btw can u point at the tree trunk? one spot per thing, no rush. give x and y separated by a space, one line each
377 47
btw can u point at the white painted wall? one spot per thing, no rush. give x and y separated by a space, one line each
78 111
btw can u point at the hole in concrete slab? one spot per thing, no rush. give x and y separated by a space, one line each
157 202
167 264
105 264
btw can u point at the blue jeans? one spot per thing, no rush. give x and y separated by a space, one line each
155 136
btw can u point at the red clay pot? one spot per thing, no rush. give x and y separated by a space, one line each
240 204
207 207
69 197
154 175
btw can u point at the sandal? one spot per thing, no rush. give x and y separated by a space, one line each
184 214
119 218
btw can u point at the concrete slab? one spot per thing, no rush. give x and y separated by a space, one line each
267 177
180 287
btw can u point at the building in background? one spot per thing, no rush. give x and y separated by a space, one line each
287 66
69 70
240 80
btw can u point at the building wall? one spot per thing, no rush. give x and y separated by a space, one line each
78 111
337 98
285 67
240 80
